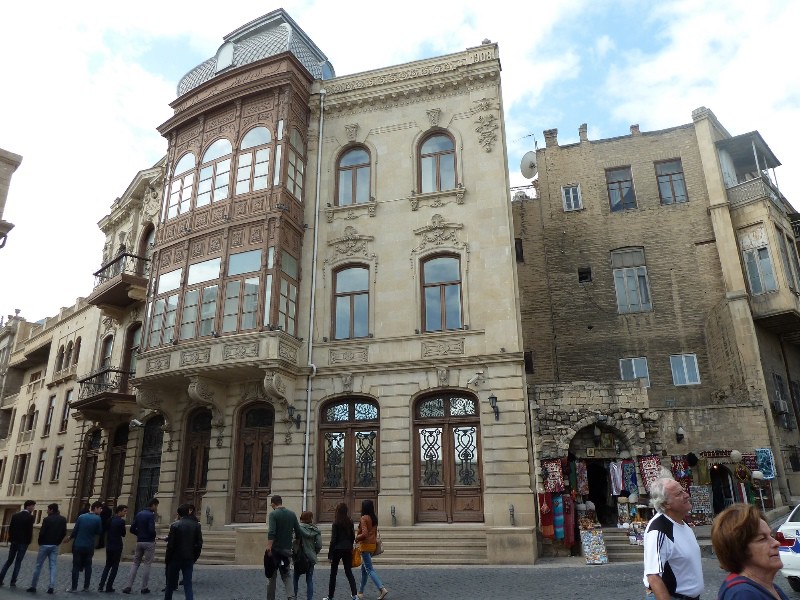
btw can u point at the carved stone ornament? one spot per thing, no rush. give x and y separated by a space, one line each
351 243
443 376
208 393
274 385
240 351
485 104
348 355
148 398
347 382
487 127
351 131
160 363
433 116
195 357
251 390
438 233
287 352
442 348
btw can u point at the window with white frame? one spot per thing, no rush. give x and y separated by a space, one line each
630 280
571 197
40 466
631 369
252 164
55 473
757 262
684 369
213 183
180 190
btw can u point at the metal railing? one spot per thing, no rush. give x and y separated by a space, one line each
124 262
106 379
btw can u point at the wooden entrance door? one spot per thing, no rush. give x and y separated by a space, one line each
116 465
349 433
150 462
447 465
89 469
253 476
195 458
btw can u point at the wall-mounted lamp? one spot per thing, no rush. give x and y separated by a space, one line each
493 404
596 436
679 434
294 419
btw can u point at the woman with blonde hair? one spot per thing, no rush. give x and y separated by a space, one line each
745 547
367 535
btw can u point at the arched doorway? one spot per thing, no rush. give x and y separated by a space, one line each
116 465
723 489
447 470
195 457
91 452
349 442
253 475
150 462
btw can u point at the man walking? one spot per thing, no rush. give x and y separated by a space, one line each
672 567
144 528
51 535
282 524
20 534
115 531
183 550
85 533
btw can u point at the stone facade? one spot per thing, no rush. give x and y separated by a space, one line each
9 162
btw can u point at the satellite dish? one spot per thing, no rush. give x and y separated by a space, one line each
528 165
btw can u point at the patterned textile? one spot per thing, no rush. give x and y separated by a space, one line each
546 515
594 547
701 503
558 516
623 515
629 476
702 476
569 520
583 478
681 471
573 476
750 461
615 472
650 466
766 464
554 482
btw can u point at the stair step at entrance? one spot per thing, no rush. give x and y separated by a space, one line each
618 548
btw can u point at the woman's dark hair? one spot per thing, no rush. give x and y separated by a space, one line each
733 529
368 508
341 519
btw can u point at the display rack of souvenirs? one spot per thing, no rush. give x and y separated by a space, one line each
636 533
593 544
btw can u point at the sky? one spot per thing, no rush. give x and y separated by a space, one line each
84 85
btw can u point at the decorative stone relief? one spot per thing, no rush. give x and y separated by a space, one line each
198 249
159 363
108 324
351 131
443 376
210 393
201 219
348 355
240 351
215 243
148 398
178 256
350 244
251 390
347 382
442 348
487 126
287 352
485 104
195 357
438 233
237 238
433 116
274 385
396 76
256 233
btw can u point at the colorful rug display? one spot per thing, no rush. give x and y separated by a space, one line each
554 482
701 503
750 461
650 466
583 478
629 483
546 515
681 472
766 463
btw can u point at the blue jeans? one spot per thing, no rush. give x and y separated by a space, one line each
15 550
368 572
46 551
309 582
185 567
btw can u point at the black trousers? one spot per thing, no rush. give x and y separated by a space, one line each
110 570
346 556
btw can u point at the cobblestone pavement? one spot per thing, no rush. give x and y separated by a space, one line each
550 578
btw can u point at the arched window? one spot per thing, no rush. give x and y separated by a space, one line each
351 303
60 359
146 250
68 355
180 188
252 164
133 342
105 352
76 353
441 298
354 175
215 170
296 169
437 164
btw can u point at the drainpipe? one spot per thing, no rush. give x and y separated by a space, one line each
309 381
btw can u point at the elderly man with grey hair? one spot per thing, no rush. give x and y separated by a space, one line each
672 567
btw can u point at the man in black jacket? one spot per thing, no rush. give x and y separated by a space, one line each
184 544
52 533
20 534
115 533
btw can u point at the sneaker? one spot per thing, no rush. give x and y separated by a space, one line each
50 590
31 589
72 590
145 590
126 590
383 594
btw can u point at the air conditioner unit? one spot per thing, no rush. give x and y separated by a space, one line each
780 407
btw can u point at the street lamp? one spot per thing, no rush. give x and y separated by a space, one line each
758 480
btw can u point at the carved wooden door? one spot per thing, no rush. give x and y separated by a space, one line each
195 458
89 470
253 476
446 455
116 465
349 456
150 462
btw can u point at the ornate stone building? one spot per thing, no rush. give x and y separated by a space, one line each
9 162
659 284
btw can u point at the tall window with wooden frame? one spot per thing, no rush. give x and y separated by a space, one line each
441 293
621 194
164 308
353 182
48 420
64 423
295 172
213 181
351 303
437 163
241 291
252 162
671 184
199 308
287 293
179 197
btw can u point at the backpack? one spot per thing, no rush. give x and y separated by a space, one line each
300 560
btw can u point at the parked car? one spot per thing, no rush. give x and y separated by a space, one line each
788 534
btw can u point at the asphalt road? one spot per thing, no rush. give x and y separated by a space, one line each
558 579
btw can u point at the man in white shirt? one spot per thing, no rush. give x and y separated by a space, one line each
672 567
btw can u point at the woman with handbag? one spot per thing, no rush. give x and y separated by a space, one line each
367 536
341 549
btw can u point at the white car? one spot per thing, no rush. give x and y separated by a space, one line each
788 534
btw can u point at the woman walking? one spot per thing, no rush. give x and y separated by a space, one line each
342 539
367 536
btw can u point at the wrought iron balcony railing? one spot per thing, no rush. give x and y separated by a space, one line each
126 263
105 380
